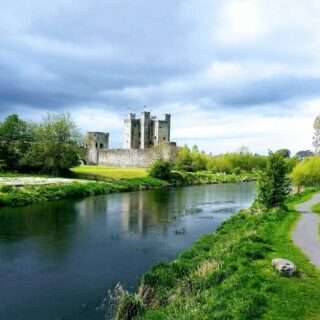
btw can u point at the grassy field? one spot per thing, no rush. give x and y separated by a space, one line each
228 275
111 172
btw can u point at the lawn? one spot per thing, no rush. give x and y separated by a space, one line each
111 172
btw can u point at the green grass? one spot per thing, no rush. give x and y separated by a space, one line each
179 177
19 175
228 275
20 196
111 172
316 208
206 177
103 180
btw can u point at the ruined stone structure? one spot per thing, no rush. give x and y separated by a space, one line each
146 132
94 143
137 157
145 140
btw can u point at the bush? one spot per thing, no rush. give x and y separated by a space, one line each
273 183
307 173
193 160
161 170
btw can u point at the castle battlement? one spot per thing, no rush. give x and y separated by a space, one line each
146 132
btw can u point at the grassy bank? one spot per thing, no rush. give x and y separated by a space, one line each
228 275
206 177
20 196
104 180
178 177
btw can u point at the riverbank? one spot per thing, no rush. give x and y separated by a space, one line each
228 275
93 184
20 196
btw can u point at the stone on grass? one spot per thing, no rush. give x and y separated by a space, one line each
284 267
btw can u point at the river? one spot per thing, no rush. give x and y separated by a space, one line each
59 259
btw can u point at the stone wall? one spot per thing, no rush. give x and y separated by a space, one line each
137 157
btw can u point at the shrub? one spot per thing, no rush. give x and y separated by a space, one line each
193 160
307 173
273 183
161 170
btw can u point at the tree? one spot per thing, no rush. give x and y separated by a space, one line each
304 154
273 183
184 159
16 137
57 146
285 153
316 135
307 173
161 170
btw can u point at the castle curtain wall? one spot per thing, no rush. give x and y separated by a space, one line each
136 157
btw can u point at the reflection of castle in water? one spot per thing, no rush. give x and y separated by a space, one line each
155 210
144 211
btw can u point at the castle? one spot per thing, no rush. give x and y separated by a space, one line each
145 140
146 132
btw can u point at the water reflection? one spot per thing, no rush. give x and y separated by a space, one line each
57 257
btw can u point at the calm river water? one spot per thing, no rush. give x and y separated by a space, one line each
59 259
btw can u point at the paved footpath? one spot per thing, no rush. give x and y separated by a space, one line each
306 235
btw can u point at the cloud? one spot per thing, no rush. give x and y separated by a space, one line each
220 62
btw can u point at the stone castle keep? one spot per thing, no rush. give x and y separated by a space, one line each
145 140
146 132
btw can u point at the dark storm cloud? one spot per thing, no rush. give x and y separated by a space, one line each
61 54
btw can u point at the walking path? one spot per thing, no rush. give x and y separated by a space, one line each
306 234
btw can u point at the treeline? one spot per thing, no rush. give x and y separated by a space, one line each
52 146
193 160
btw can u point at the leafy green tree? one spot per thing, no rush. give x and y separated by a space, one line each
57 147
161 170
286 153
303 154
16 137
184 159
273 182
307 173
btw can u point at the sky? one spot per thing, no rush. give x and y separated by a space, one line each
232 73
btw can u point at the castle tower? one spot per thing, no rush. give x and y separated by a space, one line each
162 131
146 132
94 142
132 132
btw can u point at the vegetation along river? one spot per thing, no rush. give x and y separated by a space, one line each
59 259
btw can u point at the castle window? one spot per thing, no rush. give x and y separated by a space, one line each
101 145
96 144
164 138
